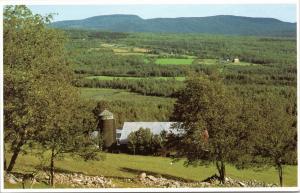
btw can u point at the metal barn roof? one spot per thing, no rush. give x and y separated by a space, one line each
155 127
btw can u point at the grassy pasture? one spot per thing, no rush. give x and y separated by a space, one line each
120 50
125 50
122 95
174 61
189 56
94 49
207 61
108 45
130 53
135 78
143 50
129 166
244 64
217 62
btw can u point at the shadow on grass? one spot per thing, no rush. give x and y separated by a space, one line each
57 170
168 176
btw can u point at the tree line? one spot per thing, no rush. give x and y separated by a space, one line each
136 110
144 86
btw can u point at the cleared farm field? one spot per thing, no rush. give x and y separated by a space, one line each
130 53
122 95
207 61
227 63
181 78
174 61
244 64
124 49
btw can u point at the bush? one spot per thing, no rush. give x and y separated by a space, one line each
144 142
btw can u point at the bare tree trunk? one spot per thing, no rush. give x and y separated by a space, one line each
15 155
280 172
221 170
52 168
5 166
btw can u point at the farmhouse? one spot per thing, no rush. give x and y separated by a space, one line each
112 136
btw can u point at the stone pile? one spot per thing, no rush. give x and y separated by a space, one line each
213 181
152 181
75 180
10 178
247 183
80 180
229 182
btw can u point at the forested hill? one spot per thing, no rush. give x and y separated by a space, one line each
222 24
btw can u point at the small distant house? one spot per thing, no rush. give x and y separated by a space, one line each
236 60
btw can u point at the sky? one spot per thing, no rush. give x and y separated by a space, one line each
283 12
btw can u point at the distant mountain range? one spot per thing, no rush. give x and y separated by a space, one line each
221 24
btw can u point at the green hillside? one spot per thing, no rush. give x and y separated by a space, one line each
120 166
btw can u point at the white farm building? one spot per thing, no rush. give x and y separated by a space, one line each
112 136
155 127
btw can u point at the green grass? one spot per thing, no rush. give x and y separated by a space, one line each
207 61
189 56
135 78
124 49
129 166
119 94
130 53
243 64
174 61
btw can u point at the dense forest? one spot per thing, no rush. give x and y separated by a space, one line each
129 61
